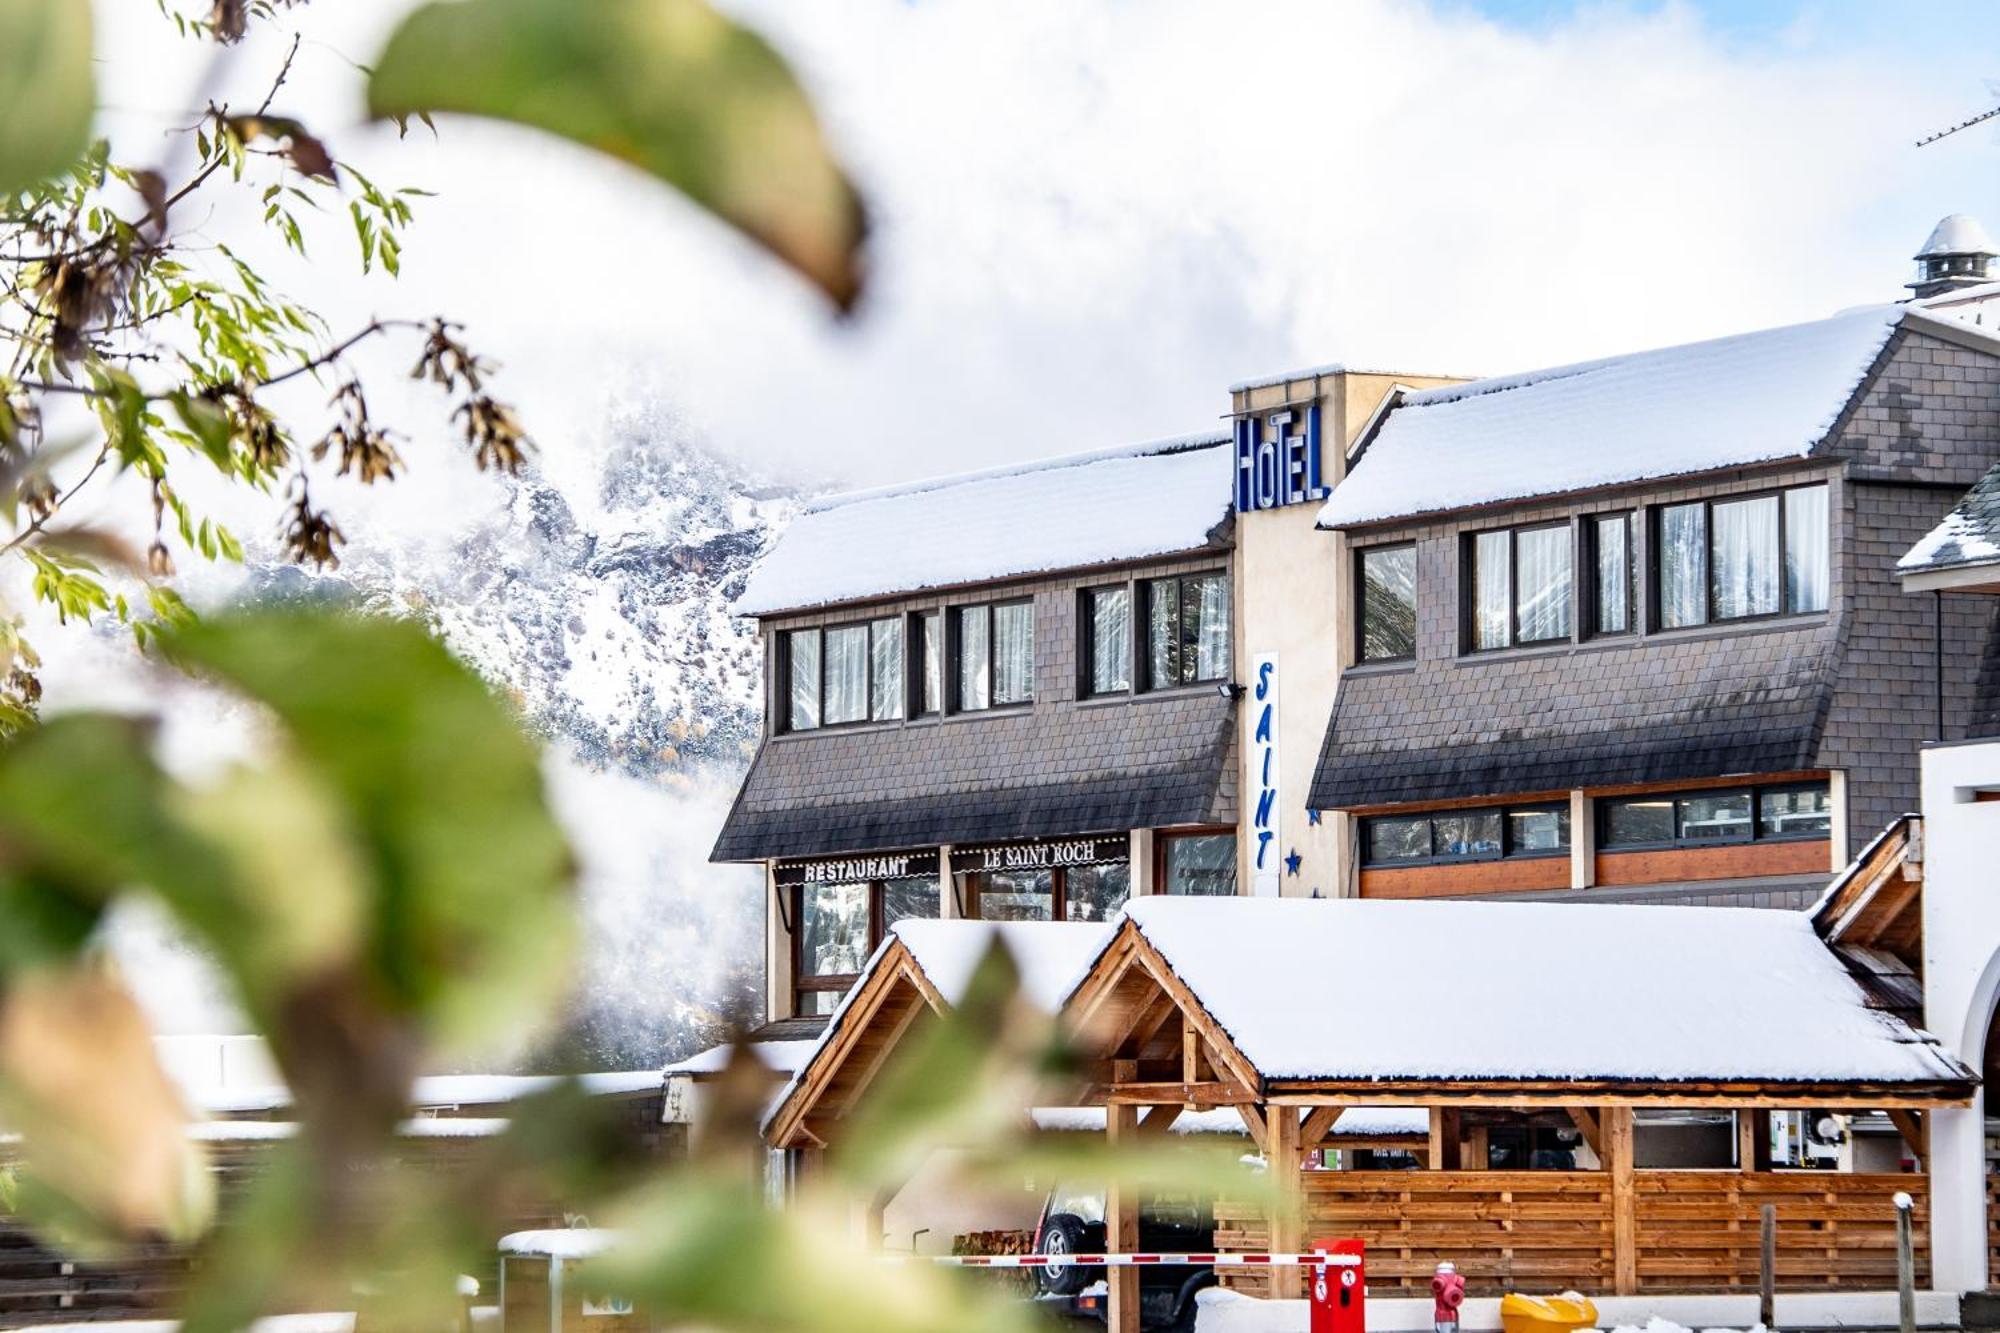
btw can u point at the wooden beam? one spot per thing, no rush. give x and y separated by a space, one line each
1520 1093
1121 1228
1914 1126
890 1039
1159 1120
1284 1160
1587 1125
1319 1123
1253 1121
1150 1022
1475 1155
1187 1094
1444 1140
1746 1142
1617 1122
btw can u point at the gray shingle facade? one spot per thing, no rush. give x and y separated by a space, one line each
1058 767
1851 689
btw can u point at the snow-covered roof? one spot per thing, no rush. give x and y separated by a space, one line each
1356 1122
1969 534
423 1127
1671 411
1473 990
1051 957
782 1057
437 1090
1957 234
1073 512
561 1242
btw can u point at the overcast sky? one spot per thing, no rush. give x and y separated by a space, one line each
1092 215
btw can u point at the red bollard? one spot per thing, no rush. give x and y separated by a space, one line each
1447 1294
1339 1290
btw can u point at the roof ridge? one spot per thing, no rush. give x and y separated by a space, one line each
1172 444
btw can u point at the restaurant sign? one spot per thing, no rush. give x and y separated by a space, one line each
1276 464
858 869
1045 855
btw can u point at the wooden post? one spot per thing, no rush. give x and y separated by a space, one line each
1284 1160
1121 1214
1906 1267
1767 1265
1617 1129
1477 1155
1444 1154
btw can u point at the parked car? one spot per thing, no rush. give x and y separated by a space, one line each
1072 1222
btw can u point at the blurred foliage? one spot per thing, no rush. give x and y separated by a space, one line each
138 335
670 86
46 96
384 886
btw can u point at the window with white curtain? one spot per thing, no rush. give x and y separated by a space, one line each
844 674
929 648
1108 629
995 647
1614 573
1744 557
1521 586
1187 630
1806 549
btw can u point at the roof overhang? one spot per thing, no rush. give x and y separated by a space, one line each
1979 577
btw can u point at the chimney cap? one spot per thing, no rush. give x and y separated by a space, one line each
1957 234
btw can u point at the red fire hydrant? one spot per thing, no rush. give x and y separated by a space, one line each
1447 1294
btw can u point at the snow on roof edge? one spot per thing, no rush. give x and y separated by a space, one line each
1172 444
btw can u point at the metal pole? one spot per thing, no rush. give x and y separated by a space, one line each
1767 1265
1906 1267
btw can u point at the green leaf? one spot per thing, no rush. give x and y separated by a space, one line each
209 424
47 92
471 914
670 86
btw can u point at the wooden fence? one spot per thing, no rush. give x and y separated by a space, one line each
1544 1231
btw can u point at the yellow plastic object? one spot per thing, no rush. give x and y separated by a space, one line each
1546 1314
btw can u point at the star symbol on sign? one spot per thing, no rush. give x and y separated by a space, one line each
1293 862
1312 817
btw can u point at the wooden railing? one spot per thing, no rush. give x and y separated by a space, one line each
1546 1231
1698 1230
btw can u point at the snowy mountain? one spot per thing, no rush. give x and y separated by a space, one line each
609 620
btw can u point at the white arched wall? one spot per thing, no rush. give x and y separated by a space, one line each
1961 896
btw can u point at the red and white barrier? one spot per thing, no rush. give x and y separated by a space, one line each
1310 1259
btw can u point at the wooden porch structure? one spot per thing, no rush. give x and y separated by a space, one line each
1156 1049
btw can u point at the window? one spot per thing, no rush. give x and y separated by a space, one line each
1107 619
1448 837
1519 592
996 655
927 654
838 927
1743 557
842 675
1187 630
1064 893
1718 816
1614 570
1198 864
1388 619
834 939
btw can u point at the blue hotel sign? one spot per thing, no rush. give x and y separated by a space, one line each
1277 464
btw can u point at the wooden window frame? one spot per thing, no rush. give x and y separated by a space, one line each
1165 836
803 985
1058 888
1361 657
1589 584
1507 850
1680 843
1142 636
1468 565
1656 518
954 650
